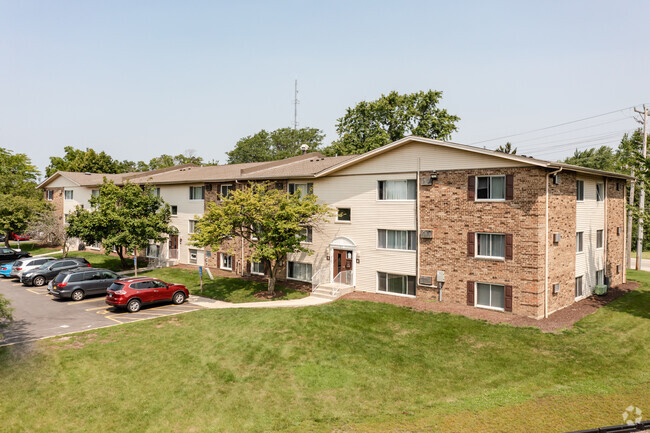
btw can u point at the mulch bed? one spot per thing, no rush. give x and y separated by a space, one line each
266 295
563 319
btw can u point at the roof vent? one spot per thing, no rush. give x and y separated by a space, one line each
87 173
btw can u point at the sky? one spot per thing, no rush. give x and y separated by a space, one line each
141 78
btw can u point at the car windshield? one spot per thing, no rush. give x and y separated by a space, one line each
115 287
44 265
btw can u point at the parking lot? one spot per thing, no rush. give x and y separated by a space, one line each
37 315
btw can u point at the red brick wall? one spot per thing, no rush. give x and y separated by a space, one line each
446 210
615 232
57 201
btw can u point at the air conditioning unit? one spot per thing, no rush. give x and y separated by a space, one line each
426 280
426 181
426 234
556 179
556 238
208 187
556 288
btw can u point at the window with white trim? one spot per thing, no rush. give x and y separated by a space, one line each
343 214
600 192
580 190
397 239
599 239
197 193
225 191
306 234
226 261
299 271
49 195
68 194
396 190
491 245
257 268
580 242
491 187
392 283
490 296
174 209
301 188
153 251
579 289
192 226
94 193
600 277
194 257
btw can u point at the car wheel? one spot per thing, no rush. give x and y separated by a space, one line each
77 295
133 306
38 281
178 298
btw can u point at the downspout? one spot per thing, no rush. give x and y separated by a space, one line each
417 226
242 246
546 234
605 237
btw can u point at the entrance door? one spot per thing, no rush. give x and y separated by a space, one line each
342 263
173 247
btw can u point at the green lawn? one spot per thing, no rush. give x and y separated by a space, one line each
348 366
33 248
644 255
224 289
99 260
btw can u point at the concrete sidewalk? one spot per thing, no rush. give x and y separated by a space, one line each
303 302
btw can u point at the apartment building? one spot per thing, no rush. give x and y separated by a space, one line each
417 217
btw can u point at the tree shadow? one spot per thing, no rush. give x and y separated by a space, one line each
633 302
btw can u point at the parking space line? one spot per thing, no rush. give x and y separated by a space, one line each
97 308
86 301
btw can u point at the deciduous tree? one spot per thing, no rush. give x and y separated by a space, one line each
279 144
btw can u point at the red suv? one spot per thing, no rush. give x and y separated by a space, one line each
133 293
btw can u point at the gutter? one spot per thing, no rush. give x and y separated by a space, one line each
546 234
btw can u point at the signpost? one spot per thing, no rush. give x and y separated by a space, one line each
201 276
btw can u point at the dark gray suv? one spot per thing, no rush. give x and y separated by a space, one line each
47 271
78 283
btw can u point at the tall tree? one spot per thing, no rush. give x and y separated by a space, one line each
373 124
83 161
268 219
279 144
507 148
6 315
19 198
122 217
601 158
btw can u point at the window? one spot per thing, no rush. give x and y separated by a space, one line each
49 195
599 238
579 287
153 251
68 194
600 192
156 192
302 188
193 257
257 268
226 261
580 190
490 245
600 277
490 296
174 210
343 214
197 193
306 234
579 242
397 190
400 284
192 228
397 239
490 187
299 271
95 246
94 193
226 190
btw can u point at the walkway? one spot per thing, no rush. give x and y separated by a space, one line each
302 302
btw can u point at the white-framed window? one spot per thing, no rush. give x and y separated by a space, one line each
399 284
225 191
226 261
397 239
157 192
302 188
600 192
397 190
307 234
580 190
599 239
153 251
94 193
600 277
491 245
49 195
68 194
490 296
299 271
194 257
579 289
343 214
197 193
95 246
257 268
580 242
491 187
192 226
174 209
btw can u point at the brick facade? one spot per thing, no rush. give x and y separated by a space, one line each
57 202
615 238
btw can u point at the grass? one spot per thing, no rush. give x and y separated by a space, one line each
224 289
99 260
33 248
644 255
349 366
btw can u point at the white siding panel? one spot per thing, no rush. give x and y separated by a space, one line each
179 195
590 217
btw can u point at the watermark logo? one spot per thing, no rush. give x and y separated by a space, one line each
632 415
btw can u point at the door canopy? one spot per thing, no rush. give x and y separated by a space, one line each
343 243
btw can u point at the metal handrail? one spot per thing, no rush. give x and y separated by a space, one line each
318 278
343 278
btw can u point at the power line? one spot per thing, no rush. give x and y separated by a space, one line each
518 143
572 140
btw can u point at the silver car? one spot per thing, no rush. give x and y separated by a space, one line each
27 264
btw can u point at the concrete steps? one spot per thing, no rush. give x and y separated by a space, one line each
325 291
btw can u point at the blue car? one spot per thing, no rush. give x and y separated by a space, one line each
5 269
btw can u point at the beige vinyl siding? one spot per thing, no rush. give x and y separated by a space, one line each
179 195
405 159
368 215
590 217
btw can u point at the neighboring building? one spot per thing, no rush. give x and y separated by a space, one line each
499 231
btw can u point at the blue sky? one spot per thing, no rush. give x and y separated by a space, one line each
138 79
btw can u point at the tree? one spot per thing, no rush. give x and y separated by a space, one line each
5 312
48 227
507 149
279 144
269 220
373 124
602 158
83 161
126 217
19 198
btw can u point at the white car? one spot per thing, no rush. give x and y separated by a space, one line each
22 265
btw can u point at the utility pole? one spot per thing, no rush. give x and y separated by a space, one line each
630 221
639 240
295 106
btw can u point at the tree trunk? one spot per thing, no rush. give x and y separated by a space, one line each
7 240
272 276
120 253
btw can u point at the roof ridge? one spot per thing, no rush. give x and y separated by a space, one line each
279 162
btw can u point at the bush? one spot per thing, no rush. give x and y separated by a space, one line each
600 289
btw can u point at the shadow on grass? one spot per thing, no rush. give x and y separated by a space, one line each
636 303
